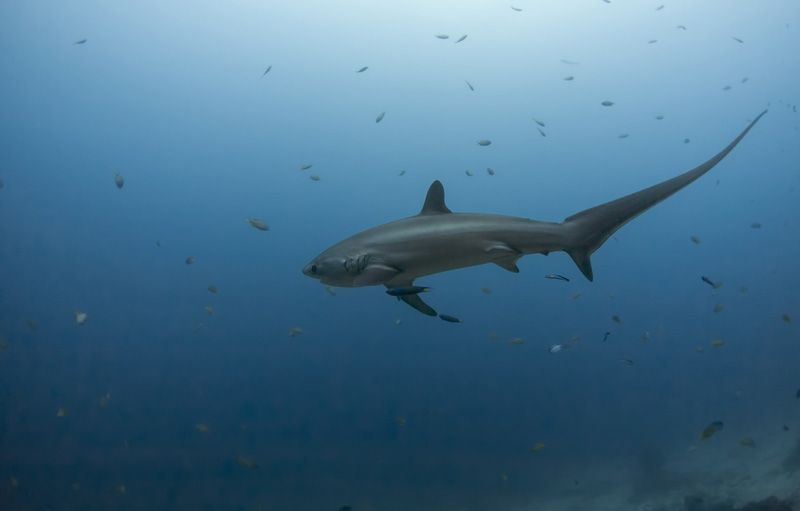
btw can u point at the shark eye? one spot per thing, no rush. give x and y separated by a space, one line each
313 268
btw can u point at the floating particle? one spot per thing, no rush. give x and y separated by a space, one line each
61 412
247 462
718 308
202 427
295 331
213 289
717 343
121 489
555 348
209 310
81 317
627 362
401 421
331 291
537 447
103 401
517 341
747 442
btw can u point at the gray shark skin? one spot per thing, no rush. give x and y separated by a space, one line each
438 240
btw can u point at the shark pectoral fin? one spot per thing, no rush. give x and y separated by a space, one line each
506 257
416 302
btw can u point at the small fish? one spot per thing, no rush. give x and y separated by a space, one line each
306 166
686 140
517 341
189 260
569 62
209 310
202 427
247 462
442 36
361 70
542 133
331 291
61 412
295 331
747 442
786 318
568 78
537 447
213 289
32 325
119 181
469 173
258 224
103 401
623 135
461 38
555 348
158 243
516 8
681 27
269 68
314 177
616 319
755 225
81 317
717 343
605 336
490 171
652 41
699 349
659 117
715 285
469 85
380 117
607 103
627 362
449 318
4 344
484 142
486 290
785 427
727 87
576 295
80 41
556 276
646 336
711 429
398 321
744 80
540 123
737 40
607 1
660 7
695 240
401 173
718 308
407 290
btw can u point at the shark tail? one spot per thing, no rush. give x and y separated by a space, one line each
590 228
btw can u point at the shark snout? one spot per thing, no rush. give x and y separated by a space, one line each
310 270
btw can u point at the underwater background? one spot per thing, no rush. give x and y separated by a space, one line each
137 135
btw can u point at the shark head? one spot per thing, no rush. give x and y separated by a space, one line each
336 267
329 269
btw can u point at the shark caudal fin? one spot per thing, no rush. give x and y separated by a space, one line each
590 228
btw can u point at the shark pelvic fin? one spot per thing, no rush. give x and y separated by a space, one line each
434 201
505 256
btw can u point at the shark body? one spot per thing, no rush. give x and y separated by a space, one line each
438 240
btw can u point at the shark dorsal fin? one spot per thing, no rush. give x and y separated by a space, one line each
434 201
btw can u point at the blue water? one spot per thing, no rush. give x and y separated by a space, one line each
373 405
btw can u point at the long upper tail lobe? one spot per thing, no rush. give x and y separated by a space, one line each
592 227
